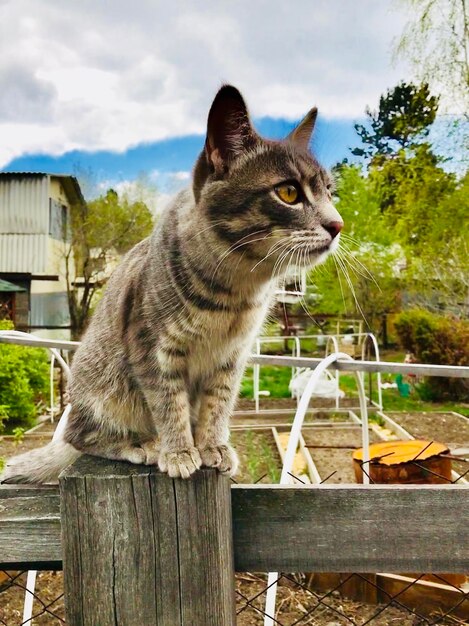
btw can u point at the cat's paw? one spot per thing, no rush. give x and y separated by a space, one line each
180 463
152 451
223 457
133 454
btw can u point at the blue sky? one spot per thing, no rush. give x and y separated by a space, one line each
124 88
164 161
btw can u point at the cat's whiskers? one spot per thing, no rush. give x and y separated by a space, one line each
276 270
285 241
334 258
350 284
350 239
240 244
302 264
357 265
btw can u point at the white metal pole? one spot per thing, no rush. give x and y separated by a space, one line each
29 598
292 446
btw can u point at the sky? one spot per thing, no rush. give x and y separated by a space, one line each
123 89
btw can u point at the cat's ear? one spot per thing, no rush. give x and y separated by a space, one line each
301 135
229 129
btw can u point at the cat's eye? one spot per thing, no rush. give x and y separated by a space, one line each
288 193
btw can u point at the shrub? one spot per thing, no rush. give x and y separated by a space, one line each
24 382
439 340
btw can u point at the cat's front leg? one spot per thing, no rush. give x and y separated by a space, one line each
168 402
212 429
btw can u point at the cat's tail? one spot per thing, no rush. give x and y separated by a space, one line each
40 466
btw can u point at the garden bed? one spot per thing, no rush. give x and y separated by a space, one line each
332 456
259 460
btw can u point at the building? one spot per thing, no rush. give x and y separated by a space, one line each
34 234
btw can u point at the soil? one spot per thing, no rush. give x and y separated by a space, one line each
335 459
8 447
293 603
448 428
253 468
332 609
248 404
49 593
46 427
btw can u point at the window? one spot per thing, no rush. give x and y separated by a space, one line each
58 220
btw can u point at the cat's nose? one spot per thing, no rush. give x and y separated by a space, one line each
333 228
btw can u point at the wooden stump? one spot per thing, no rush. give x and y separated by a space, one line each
405 462
140 548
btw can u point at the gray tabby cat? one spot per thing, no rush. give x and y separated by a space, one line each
166 348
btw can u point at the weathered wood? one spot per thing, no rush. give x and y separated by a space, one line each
30 527
328 528
426 597
142 548
375 528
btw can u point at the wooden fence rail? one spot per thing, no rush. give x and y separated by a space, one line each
121 530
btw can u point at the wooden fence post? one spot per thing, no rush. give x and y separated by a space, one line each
142 549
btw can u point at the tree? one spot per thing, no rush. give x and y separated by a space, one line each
100 231
441 270
404 117
411 187
364 277
436 40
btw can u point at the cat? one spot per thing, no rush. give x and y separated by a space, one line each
158 371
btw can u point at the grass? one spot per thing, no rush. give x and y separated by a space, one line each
273 379
393 401
260 458
257 456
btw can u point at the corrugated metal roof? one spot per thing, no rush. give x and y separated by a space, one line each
70 183
7 286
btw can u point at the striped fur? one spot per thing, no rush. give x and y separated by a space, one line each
157 374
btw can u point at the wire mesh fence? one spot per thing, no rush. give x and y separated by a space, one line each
47 599
321 599
356 599
314 599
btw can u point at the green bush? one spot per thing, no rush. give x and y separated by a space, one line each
24 382
439 340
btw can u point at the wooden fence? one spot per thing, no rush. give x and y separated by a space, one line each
138 547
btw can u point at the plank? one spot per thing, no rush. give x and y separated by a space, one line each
328 528
336 528
30 527
426 597
205 548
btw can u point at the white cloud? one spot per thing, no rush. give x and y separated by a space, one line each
94 75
